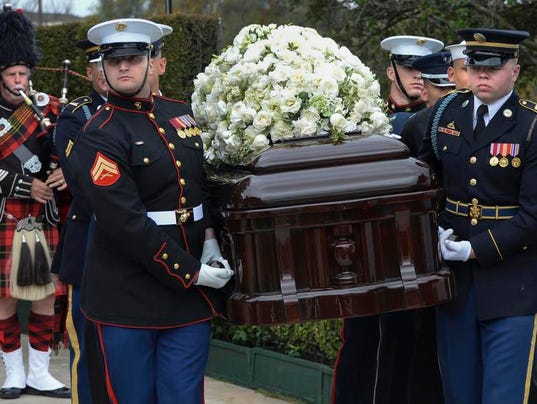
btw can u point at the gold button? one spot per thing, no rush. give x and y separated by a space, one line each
171 146
73 217
474 201
151 115
165 256
473 181
525 247
107 108
182 181
161 130
473 222
176 266
146 160
444 148
187 276
197 144
178 163
473 159
183 200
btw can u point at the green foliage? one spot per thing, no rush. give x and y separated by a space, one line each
188 50
318 341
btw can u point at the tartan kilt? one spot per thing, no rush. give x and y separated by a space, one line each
21 208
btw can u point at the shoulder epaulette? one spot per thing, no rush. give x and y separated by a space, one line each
79 102
532 106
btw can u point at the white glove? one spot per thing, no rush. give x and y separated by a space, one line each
440 231
455 250
211 251
214 277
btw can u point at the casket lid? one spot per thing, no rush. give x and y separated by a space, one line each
309 171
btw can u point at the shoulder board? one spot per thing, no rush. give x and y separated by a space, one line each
528 105
79 102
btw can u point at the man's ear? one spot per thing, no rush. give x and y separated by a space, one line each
390 73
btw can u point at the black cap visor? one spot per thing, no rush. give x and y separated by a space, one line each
488 59
404 60
122 49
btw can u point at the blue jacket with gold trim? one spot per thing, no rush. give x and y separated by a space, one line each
137 156
68 260
492 180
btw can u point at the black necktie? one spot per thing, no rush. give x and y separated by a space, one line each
480 125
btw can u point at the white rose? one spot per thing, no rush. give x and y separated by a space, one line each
328 87
260 142
304 127
262 120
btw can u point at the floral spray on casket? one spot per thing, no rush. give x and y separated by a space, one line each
281 82
320 212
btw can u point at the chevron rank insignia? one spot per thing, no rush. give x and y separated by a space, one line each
105 172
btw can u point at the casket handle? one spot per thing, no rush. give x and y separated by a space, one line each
284 259
412 294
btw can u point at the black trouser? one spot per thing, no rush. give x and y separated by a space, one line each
388 359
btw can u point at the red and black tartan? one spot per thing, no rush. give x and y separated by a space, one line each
21 208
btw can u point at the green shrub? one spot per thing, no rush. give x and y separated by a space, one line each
317 341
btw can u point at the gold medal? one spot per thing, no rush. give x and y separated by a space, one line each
181 134
516 162
493 161
504 162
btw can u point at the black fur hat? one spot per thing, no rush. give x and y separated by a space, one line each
17 39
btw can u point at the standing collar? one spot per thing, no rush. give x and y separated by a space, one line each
131 103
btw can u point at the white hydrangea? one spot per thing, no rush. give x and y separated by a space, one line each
281 82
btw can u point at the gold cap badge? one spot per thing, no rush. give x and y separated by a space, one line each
120 26
480 37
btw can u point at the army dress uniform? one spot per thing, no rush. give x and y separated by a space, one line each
491 201
69 260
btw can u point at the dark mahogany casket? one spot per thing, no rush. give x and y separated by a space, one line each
316 230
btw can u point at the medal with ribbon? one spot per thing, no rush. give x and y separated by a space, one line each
515 162
504 151
494 151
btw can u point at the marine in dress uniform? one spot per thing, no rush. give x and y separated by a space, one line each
70 257
146 285
436 83
26 189
375 363
405 88
486 158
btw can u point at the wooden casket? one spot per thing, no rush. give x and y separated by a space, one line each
316 230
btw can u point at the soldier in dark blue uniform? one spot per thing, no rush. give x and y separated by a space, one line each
69 258
482 143
436 83
148 285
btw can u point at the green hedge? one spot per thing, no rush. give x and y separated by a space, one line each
317 341
188 49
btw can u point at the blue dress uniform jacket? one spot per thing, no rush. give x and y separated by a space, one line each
504 273
131 159
69 259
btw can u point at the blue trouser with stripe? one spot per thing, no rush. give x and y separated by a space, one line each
76 325
164 366
488 362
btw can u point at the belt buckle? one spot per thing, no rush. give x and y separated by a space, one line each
182 215
475 212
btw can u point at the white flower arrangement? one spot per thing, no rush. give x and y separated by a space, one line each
283 82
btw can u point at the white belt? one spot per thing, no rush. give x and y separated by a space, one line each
178 216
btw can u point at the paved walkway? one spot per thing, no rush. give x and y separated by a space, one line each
216 392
